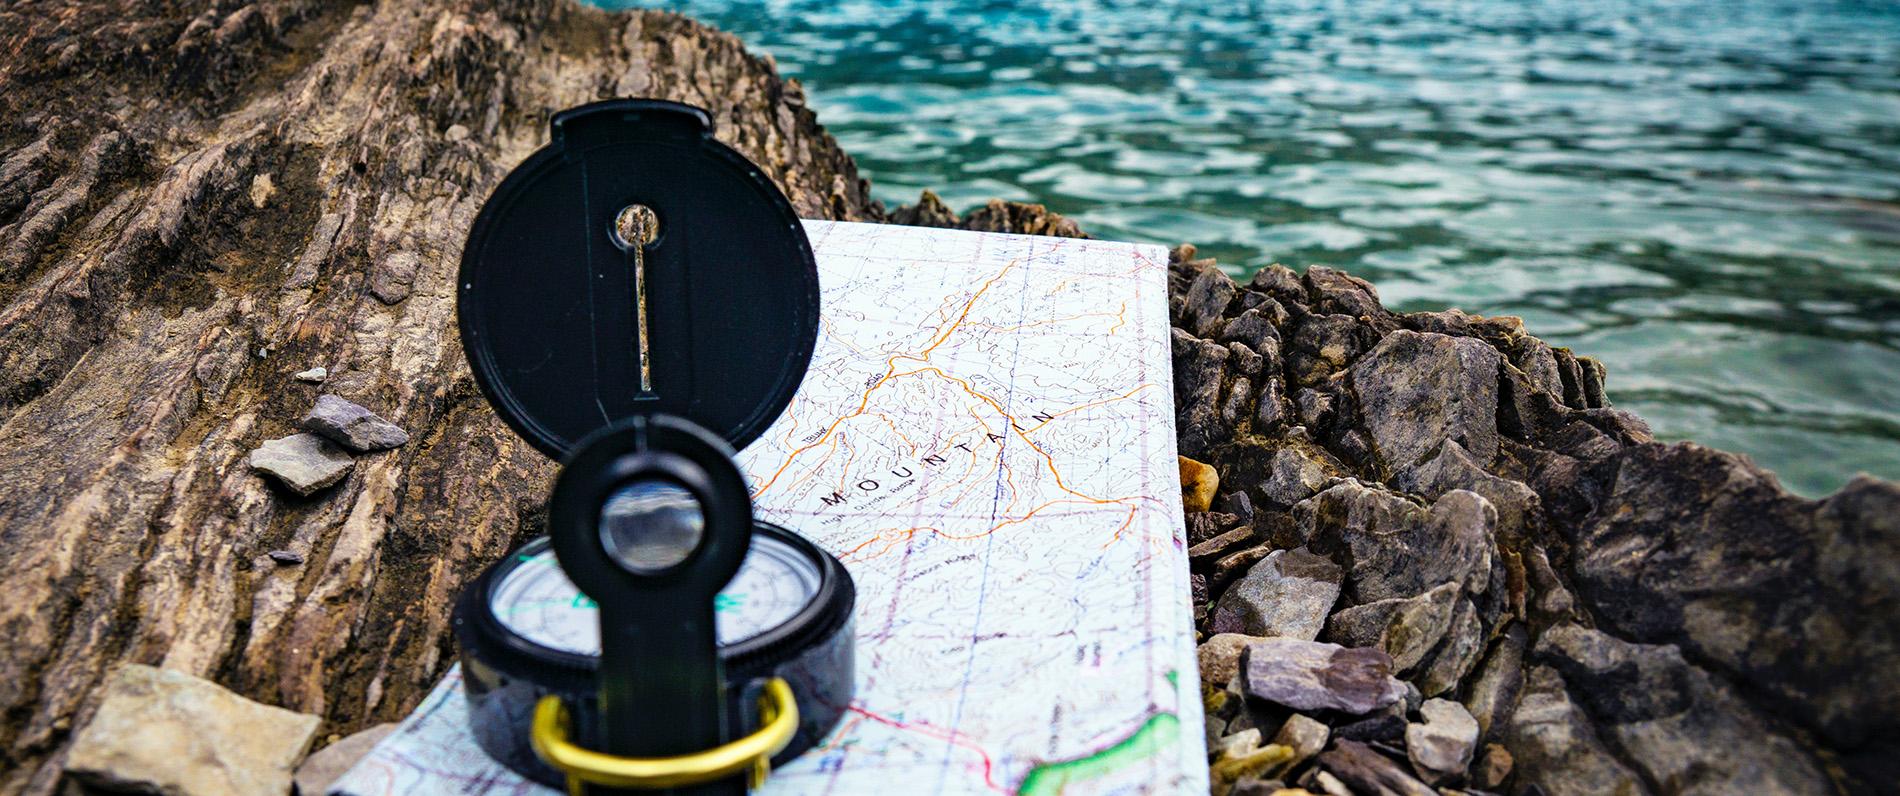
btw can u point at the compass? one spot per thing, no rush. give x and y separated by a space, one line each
636 300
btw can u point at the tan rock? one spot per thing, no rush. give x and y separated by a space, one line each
325 765
1198 483
159 731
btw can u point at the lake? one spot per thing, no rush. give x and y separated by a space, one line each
1703 195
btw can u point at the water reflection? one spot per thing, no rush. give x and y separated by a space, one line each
1704 195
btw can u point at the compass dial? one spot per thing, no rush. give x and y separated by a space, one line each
536 601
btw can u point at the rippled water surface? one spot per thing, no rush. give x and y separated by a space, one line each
1705 195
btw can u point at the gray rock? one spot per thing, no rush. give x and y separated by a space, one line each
1200 374
352 426
285 558
1294 477
1452 467
1795 598
1311 675
1322 344
1407 629
1288 593
1494 693
1304 736
159 731
313 375
1418 390
327 765
1207 298
1388 724
1440 746
304 462
1555 747
1457 655
1674 721
1396 548
1368 772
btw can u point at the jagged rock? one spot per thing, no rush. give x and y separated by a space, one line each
1452 467
1199 481
325 765
1206 553
1304 736
160 731
1440 746
1794 597
1674 721
1386 724
1494 693
1219 656
1322 345
1456 657
1394 548
1268 761
1207 298
285 558
314 375
352 426
1418 390
1205 525
1407 629
304 462
1555 747
1368 772
1295 477
1492 768
1288 593
1311 675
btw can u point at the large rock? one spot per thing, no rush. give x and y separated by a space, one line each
1288 593
1440 746
352 426
1675 722
1393 547
159 731
1418 390
304 462
1796 598
1312 675
1555 747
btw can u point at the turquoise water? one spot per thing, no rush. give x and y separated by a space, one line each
1706 195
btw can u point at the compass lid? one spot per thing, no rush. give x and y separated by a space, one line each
570 327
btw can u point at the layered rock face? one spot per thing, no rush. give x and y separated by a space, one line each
1567 605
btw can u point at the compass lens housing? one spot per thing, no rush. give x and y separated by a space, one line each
650 526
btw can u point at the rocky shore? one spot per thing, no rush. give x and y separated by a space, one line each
1429 555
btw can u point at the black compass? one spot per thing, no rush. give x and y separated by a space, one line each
636 299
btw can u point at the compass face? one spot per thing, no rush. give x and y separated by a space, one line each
536 600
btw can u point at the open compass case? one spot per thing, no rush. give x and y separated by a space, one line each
638 301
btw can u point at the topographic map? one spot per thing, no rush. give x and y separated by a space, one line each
986 439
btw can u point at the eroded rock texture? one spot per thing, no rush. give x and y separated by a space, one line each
199 200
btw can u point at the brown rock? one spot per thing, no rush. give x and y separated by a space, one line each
1199 482
326 765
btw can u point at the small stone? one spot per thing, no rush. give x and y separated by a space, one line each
304 462
352 426
1492 768
1219 656
159 731
1331 784
328 764
1205 525
1366 771
1311 675
455 132
1198 483
1268 761
313 375
1207 299
1304 736
1288 593
1204 554
1240 744
1386 725
285 558
1440 747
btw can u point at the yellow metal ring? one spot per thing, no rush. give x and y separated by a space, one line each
778 719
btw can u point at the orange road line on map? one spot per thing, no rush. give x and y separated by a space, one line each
1103 402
